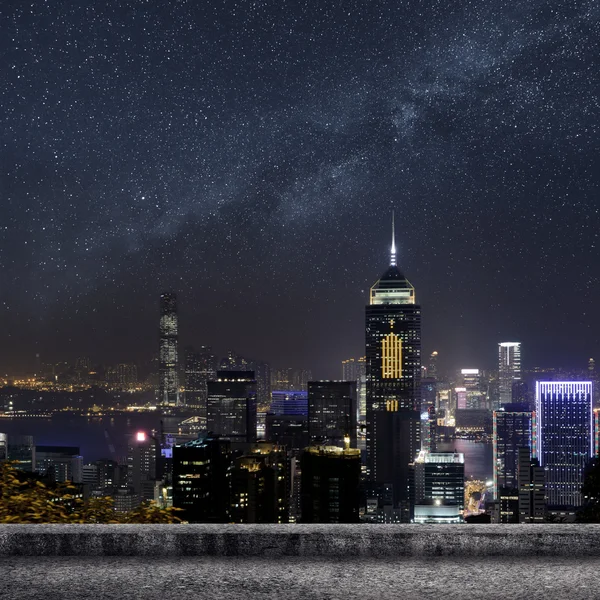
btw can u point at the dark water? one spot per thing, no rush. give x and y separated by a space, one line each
87 432
478 457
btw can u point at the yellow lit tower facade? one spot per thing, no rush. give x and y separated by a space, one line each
393 382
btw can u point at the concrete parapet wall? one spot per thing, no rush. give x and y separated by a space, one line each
301 540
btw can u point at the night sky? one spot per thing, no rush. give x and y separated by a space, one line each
248 155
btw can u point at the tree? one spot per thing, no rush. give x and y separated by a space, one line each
25 498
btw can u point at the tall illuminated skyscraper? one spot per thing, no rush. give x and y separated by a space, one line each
514 428
509 370
564 438
393 377
168 386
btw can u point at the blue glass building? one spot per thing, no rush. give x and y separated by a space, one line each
565 438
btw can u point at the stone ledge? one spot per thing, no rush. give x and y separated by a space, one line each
301 540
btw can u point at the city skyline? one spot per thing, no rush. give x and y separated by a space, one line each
249 161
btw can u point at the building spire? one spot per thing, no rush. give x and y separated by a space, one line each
393 253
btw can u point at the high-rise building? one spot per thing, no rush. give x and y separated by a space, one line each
231 407
393 371
332 412
20 449
260 485
514 427
289 403
262 374
429 429
123 376
142 457
432 369
300 379
355 370
200 368
286 423
564 438
59 463
471 381
531 488
438 487
330 485
194 381
509 370
202 479
168 393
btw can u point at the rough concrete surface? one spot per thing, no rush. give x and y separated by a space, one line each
267 541
291 578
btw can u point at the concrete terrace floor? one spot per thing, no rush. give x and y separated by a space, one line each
290 578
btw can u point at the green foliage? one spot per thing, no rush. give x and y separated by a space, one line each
26 499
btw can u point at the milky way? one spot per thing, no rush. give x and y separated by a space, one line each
248 155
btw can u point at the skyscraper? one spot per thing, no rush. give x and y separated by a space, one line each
532 492
438 487
393 373
330 484
142 455
200 368
332 412
168 392
231 409
514 428
355 370
509 370
202 479
564 438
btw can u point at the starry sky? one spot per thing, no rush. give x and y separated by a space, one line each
248 155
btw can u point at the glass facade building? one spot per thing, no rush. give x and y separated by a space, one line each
393 381
231 407
438 487
514 427
168 380
509 370
332 412
565 440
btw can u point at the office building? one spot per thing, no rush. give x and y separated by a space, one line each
142 457
356 370
286 423
509 370
231 405
90 475
122 376
429 429
202 479
432 369
564 438
473 385
200 368
531 482
393 372
260 480
168 358
332 412
438 487
59 463
289 403
262 374
330 485
514 427
19 449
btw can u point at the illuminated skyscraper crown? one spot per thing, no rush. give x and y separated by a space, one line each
392 287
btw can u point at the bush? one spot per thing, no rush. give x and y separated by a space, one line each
24 498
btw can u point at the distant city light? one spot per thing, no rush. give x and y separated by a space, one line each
141 436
